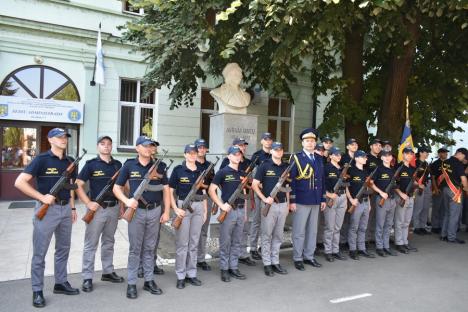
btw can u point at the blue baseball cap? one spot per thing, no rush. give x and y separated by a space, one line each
375 141
276 145
144 140
233 150
104 137
200 142
407 150
308 133
360 153
190 148
424 149
334 151
239 141
58 132
351 141
319 147
326 138
386 152
267 136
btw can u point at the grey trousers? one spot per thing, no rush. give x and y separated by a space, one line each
103 226
254 232
321 227
345 228
304 231
452 215
230 235
370 234
201 251
384 216
272 227
402 221
333 220
438 210
142 235
422 203
56 222
246 230
187 237
357 227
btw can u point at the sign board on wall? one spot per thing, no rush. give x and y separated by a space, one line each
17 108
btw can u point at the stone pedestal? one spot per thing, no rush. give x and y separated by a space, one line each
225 127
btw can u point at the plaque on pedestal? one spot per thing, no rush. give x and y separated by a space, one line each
225 127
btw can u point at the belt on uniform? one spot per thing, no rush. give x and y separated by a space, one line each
62 202
148 206
195 198
340 192
108 203
364 200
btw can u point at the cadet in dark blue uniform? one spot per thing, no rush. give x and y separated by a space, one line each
423 197
373 161
307 198
47 168
98 171
360 216
187 235
438 205
334 215
230 233
144 228
203 164
254 231
327 142
244 256
452 185
384 214
348 157
403 213
268 175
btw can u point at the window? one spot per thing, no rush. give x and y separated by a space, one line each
127 7
280 121
39 82
208 108
136 112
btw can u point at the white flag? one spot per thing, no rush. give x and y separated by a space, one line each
99 73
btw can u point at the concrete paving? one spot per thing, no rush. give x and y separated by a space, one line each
433 279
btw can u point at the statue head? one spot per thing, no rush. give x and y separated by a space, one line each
232 74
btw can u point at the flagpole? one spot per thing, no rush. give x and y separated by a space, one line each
407 108
92 82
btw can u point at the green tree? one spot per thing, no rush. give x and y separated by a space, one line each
369 54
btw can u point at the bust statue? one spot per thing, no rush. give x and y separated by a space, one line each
229 96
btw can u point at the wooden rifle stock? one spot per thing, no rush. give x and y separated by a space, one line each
40 214
128 214
177 222
214 209
222 216
89 216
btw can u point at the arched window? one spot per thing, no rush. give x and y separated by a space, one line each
39 82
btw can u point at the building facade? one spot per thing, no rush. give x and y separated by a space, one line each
47 55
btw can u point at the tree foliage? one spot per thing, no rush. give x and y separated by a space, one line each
277 41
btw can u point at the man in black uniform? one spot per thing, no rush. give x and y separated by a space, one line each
268 175
423 196
143 229
452 184
348 157
373 161
438 205
228 179
327 142
254 232
47 169
98 171
203 164
244 256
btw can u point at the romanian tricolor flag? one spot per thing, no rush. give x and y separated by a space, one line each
406 138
